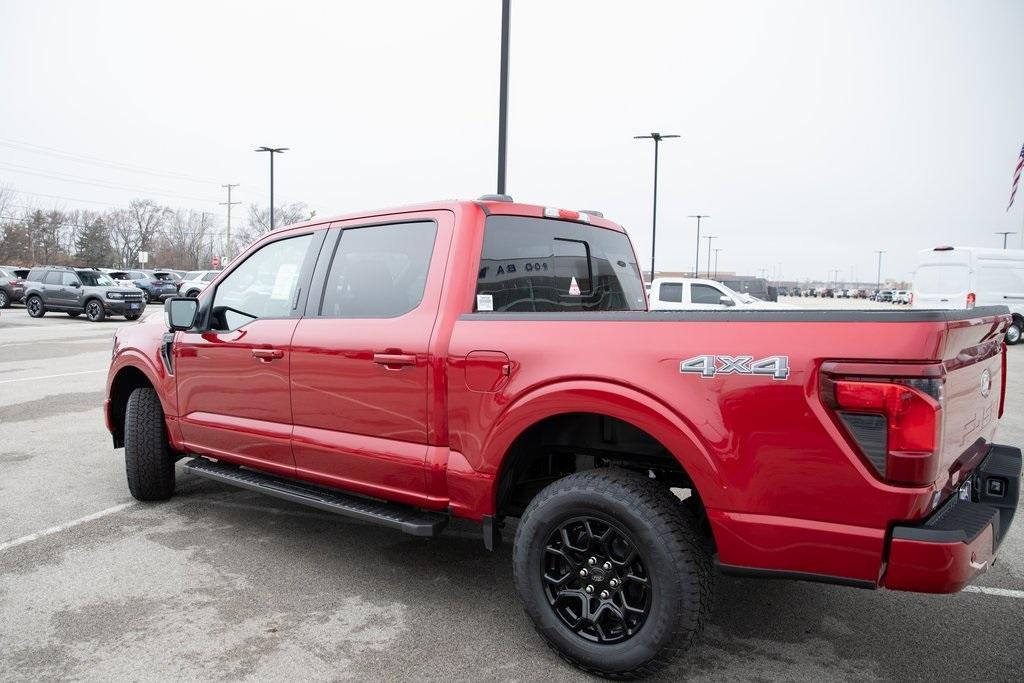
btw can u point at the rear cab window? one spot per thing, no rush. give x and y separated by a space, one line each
547 265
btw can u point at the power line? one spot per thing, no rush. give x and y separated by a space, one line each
72 178
85 158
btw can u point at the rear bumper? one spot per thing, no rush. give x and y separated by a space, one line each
958 542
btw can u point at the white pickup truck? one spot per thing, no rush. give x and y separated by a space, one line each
681 293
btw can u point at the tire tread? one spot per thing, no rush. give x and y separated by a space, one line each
149 463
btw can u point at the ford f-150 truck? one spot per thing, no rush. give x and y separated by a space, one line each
492 360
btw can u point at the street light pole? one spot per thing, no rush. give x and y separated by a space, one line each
506 11
717 249
878 284
709 238
272 151
657 137
1005 235
696 258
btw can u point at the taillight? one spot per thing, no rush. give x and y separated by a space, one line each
14 282
156 282
896 422
910 298
971 299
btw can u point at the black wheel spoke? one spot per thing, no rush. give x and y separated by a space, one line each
595 580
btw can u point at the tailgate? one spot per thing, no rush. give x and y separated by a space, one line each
974 362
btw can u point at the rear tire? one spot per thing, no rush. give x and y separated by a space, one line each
5 300
193 293
610 515
35 307
149 461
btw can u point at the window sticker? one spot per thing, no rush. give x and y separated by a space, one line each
287 274
574 287
484 302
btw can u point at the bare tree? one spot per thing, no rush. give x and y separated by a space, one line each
188 237
258 222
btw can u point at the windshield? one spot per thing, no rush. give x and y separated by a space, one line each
94 278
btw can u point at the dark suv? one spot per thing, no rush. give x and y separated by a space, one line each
12 287
79 290
155 285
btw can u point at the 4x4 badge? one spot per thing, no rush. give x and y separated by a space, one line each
709 366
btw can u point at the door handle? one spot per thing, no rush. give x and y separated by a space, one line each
393 360
267 355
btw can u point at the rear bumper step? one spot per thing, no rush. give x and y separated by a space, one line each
958 542
391 515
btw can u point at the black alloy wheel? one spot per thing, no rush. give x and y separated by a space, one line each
595 580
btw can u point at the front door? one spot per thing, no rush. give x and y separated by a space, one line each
233 373
361 357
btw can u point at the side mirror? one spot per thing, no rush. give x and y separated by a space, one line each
76 285
181 312
726 300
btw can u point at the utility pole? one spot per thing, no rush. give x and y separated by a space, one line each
1005 234
506 10
229 204
878 285
696 259
717 249
272 151
657 137
709 238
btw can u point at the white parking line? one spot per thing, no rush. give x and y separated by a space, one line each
65 374
63 527
1002 592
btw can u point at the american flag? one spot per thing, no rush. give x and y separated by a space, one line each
1016 178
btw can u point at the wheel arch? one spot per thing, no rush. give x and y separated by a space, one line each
127 379
626 417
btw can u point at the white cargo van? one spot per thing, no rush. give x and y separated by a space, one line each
965 277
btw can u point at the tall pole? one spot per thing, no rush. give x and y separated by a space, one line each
717 249
696 258
657 137
506 9
272 151
709 238
878 284
1005 234
229 204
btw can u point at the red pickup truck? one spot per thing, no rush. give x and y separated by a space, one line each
491 360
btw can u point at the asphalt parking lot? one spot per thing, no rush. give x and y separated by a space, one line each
220 583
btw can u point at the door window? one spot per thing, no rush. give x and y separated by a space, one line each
670 291
705 294
263 286
379 271
52 277
68 279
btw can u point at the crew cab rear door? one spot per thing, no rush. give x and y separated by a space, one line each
361 361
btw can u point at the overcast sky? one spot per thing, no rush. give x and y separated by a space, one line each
812 132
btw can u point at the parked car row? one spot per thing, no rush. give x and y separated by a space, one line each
96 292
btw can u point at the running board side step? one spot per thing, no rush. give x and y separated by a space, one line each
395 516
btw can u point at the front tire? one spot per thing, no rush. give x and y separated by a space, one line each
5 300
94 311
1013 332
613 573
149 462
35 307
131 316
